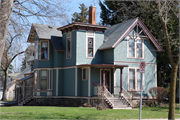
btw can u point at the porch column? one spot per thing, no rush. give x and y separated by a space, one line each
103 79
23 91
121 83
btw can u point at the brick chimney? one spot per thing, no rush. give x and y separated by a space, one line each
92 15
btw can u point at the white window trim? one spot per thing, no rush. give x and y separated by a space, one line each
135 54
40 50
36 51
90 36
135 80
68 37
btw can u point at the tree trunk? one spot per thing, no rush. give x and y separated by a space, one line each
171 115
5 14
4 97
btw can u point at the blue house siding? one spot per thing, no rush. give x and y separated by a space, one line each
149 78
54 82
60 82
69 82
95 77
84 83
71 61
108 56
81 56
43 93
120 52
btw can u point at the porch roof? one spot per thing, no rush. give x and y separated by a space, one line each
103 65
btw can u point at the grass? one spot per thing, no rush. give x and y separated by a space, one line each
41 112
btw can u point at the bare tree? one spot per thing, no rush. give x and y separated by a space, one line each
15 17
164 9
7 60
18 13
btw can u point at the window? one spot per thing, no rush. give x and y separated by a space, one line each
43 79
36 51
135 78
84 74
44 50
68 44
35 80
135 46
90 47
90 44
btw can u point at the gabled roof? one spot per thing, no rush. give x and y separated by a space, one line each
43 32
57 43
26 70
115 34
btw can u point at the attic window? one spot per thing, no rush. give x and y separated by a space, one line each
135 44
68 46
90 44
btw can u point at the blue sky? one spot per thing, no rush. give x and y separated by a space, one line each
73 7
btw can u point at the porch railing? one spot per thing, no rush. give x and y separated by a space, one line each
109 97
127 96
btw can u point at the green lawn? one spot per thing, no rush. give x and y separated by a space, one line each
37 112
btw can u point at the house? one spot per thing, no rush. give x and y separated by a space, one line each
71 61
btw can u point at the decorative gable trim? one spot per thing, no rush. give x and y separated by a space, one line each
148 33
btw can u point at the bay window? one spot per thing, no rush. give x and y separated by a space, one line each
36 51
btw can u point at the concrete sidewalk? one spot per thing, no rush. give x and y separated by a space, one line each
7 103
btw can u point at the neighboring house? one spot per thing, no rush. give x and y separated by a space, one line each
10 86
71 61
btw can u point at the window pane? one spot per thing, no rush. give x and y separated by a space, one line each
90 42
44 50
131 52
43 84
132 84
131 42
43 79
131 73
139 44
35 80
139 52
90 52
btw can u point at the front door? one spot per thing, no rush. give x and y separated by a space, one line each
107 78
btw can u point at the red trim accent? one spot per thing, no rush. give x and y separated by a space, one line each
28 74
46 79
134 62
82 25
102 65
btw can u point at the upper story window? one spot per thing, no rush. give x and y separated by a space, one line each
68 43
90 44
36 51
44 79
135 43
44 50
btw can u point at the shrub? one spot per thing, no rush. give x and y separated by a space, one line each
158 92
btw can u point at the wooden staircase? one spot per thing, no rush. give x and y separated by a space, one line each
28 99
122 102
